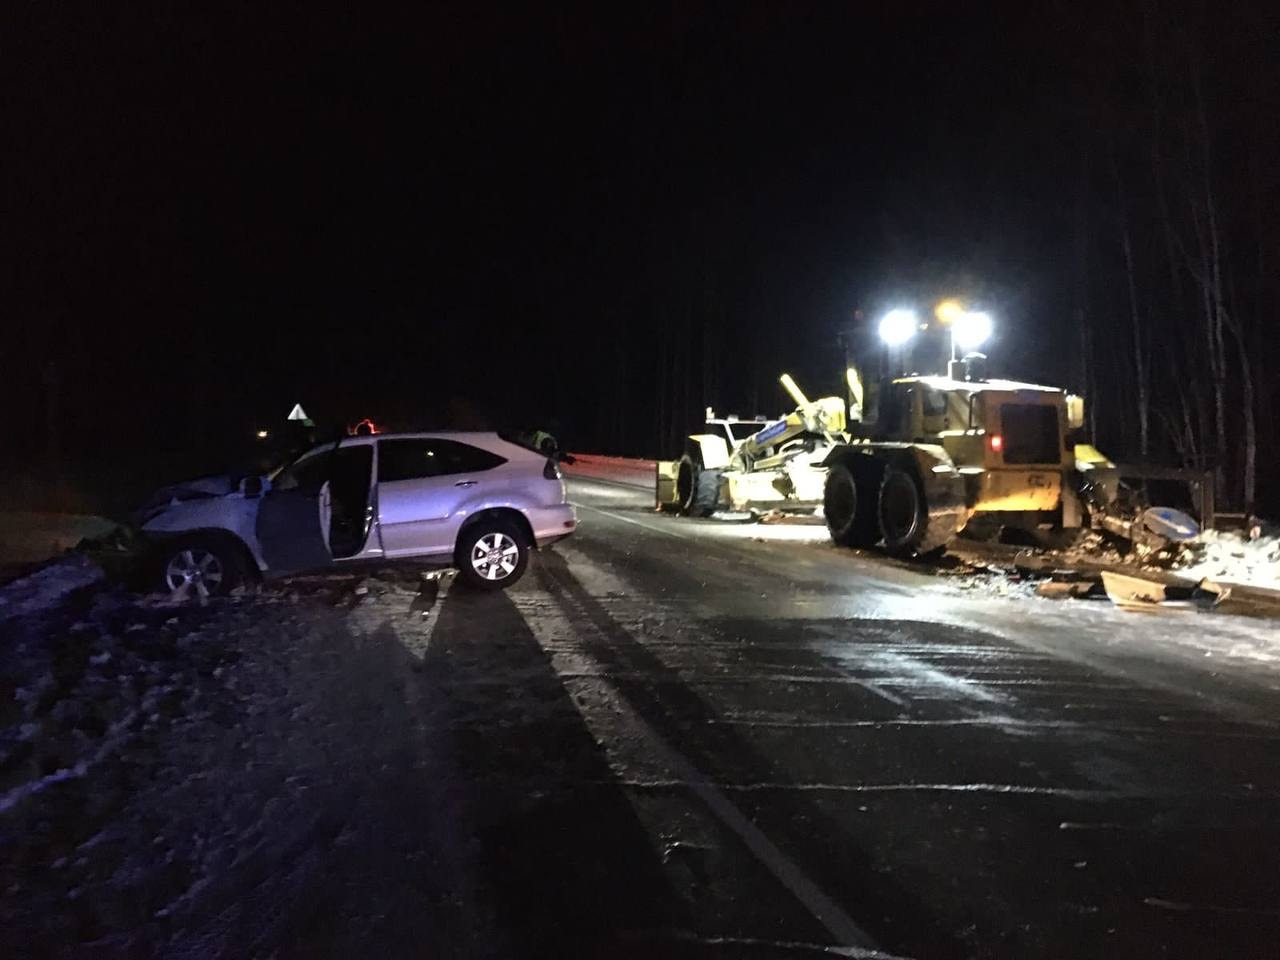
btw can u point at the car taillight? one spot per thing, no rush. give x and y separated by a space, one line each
996 442
552 470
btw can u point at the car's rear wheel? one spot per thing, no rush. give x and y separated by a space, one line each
492 555
200 567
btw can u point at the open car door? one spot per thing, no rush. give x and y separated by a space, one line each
318 510
293 518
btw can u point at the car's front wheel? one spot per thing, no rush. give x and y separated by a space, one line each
491 555
199 567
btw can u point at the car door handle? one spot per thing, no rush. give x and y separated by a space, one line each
466 483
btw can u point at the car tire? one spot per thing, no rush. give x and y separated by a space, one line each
698 489
491 555
200 566
850 513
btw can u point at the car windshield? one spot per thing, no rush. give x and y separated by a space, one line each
285 459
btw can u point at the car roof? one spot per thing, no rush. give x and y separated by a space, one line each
462 436
485 439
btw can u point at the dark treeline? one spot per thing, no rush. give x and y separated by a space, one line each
1141 170
1176 293
602 221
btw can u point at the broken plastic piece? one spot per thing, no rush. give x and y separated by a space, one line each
1170 523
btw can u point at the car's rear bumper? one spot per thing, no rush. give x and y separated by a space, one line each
552 523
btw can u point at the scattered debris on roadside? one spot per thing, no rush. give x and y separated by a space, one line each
1061 590
1215 569
774 517
1127 590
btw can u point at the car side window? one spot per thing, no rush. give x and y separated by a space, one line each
412 459
309 473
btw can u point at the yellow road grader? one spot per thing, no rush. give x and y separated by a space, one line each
911 462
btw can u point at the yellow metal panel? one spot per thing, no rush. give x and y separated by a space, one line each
855 386
1075 411
796 393
1019 490
1087 453
808 481
965 449
714 450
665 487
763 487
831 414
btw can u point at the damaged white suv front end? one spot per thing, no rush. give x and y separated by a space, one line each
473 501
206 532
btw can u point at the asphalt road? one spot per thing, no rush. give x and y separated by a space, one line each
674 738
805 746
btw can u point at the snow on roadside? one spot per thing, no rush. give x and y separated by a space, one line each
84 694
48 587
1227 557
178 780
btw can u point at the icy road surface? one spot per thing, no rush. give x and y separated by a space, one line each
674 738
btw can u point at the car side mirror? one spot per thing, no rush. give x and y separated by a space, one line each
251 487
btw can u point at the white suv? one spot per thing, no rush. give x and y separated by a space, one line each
468 500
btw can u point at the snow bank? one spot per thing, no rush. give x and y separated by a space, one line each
1227 557
48 587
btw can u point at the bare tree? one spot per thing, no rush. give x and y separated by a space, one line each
1137 328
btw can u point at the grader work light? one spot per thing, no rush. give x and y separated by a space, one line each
948 311
898 326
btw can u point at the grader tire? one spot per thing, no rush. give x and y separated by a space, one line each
850 513
698 489
910 528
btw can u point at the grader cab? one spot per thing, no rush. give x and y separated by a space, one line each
948 454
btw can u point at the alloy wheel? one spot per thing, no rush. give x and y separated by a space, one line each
495 556
194 570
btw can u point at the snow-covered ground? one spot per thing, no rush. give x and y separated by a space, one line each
1232 559
368 762
48 587
174 779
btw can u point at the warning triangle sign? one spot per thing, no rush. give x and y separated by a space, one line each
297 413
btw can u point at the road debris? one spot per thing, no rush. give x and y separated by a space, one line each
1061 590
1218 570
1128 590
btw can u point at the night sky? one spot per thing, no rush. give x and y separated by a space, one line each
213 212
